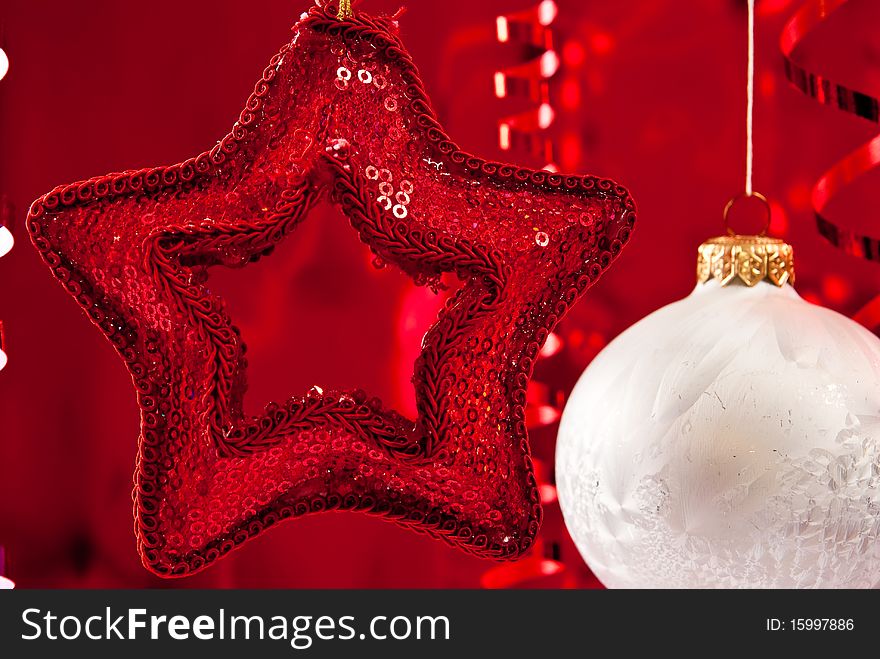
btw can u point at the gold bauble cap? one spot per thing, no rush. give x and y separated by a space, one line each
747 259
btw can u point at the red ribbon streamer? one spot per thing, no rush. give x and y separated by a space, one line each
525 131
857 163
839 96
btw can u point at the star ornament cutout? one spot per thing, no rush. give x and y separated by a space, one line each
340 111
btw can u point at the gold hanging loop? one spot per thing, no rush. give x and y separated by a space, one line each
743 195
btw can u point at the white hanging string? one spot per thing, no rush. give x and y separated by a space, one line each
750 98
750 107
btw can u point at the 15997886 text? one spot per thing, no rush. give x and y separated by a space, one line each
810 624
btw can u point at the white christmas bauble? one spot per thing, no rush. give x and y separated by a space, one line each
731 439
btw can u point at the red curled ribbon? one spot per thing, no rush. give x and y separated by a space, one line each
828 92
526 131
860 161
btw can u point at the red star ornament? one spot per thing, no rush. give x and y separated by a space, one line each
340 110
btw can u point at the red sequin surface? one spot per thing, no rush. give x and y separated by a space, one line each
340 111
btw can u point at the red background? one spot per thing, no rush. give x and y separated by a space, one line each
654 98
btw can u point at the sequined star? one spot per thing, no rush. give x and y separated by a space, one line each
340 111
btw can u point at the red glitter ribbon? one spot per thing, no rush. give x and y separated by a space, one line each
839 96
